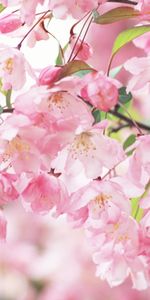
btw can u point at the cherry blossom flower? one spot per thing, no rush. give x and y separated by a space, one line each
13 67
116 253
139 168
99 202
90 150
45 192
77 8
8 191
100 91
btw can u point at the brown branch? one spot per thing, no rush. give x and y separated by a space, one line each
123 1
128 120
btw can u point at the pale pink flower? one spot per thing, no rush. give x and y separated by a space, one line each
27 8
117 253
139 168
145 237
100 202
90 150
139 67
77 8
13 68
10 23
144 7
3 226
100 91
21 145
58 111
45 192
143 42
37 34
8 191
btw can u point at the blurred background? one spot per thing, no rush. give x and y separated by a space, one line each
44 259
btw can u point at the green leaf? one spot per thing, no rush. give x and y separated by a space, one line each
117 14
82 73
73 67
97 116
113 72
2 7
127 36
129 153
123 96
129 141
136 212
59 59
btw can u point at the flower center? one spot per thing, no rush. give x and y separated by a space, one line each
82 145
8 66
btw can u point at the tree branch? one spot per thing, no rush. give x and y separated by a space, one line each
123 1
129 121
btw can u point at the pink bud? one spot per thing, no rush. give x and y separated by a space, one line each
3 225
10 23
84 50
49 75
100 91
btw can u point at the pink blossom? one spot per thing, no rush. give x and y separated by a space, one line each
143 6
139 168
45 192
139 67
10 23
27 8
8 191
100 91
37 34
103 200
143 42
82 49
90 150
58 111
49 75
12 68
117 253
3 226
77 8
21 145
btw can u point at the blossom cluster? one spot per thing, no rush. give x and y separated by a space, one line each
62 145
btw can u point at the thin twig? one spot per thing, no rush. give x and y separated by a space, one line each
39 20
128 120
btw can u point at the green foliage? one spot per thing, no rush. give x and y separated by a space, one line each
61 52
137 212
59 59
97 115
129 141
115 15
82 73
123 96
113 72
2 7
127 36
73 67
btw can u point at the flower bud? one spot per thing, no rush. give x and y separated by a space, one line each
10 23
100 91
49 75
